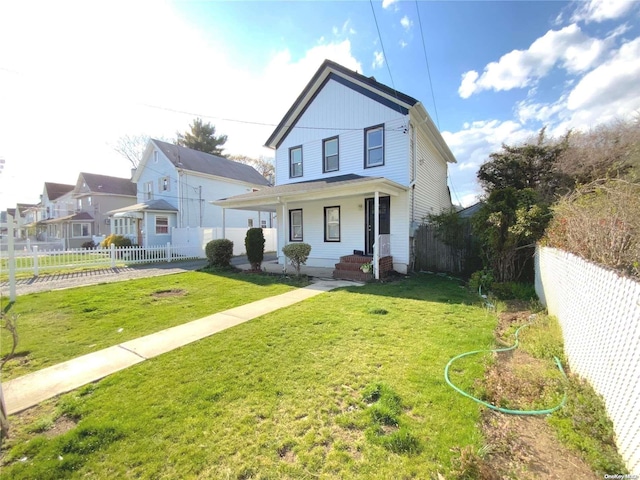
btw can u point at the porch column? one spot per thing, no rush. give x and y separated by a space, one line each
376 236
284 233
223 222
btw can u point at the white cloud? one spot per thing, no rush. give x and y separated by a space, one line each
569 47
388 3
468 85
610 91
378 60
472 146
345 30
402 43
70 89
601 10
406 23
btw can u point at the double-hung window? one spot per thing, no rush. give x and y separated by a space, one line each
295 162
331 224
330 155
148 190
374 146
295 225
80 229
162 225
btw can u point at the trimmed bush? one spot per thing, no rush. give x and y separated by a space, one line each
90 245
254 243
297 253
117 240
219 252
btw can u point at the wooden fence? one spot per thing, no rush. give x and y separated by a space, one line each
433 254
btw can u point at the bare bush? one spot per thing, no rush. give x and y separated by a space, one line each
600 222
607 151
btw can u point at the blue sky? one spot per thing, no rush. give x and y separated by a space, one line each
76 76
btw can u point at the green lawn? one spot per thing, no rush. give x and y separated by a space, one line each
60 325
348 384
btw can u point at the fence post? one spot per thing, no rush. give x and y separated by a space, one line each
112 249
36 270
168 251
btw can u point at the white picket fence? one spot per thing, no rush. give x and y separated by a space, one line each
37 261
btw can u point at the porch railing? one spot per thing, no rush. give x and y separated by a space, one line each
384 245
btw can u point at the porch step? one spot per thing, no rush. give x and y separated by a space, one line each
359 259
356 275
354 267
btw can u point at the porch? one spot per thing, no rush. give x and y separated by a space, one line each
345 216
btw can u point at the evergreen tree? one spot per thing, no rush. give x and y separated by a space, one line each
202 137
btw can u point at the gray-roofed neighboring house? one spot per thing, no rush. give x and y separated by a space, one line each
186 180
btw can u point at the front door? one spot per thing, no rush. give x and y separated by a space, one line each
384 216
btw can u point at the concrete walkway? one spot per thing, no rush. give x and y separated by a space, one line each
29 390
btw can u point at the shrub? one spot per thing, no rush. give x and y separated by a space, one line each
117 240
481 281
90 245
219 252
297 253
254 243
600 222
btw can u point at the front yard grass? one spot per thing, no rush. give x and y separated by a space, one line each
60 325
348 384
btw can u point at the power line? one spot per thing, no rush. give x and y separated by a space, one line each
426 59
386 59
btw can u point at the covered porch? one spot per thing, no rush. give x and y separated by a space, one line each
348 220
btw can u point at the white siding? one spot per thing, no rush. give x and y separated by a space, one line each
340 111
431 193
352 233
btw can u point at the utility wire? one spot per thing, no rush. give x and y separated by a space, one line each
384 54
426 59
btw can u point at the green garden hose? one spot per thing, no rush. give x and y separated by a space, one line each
493 407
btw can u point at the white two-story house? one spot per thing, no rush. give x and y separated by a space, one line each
57 202
174 188
358 166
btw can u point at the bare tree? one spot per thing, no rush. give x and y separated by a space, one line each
263 164
132 147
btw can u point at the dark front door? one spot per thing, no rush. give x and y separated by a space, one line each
384 215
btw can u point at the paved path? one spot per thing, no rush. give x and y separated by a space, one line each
29 390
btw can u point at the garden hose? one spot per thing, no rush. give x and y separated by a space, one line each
493 407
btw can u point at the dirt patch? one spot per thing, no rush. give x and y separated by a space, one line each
523 447
169 293
62 425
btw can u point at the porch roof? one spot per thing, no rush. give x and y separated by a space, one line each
78 217
148 206
349 185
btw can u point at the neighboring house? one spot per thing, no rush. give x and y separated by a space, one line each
94 195
26 219
347 148
57 202
175 186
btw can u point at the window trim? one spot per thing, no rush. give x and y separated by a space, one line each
291 212
366 145
81 224
326 225
148 190
156 224
291 175
324 156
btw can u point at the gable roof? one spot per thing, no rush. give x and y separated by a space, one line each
195 161
21 208
330 70
104 184
56 190
158 205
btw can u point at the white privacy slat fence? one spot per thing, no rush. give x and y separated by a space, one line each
37 261
599 312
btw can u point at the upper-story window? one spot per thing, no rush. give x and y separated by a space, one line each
148 190
374 146
295 162
163 184
330 155
155 156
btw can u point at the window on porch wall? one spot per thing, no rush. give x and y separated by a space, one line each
295 225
